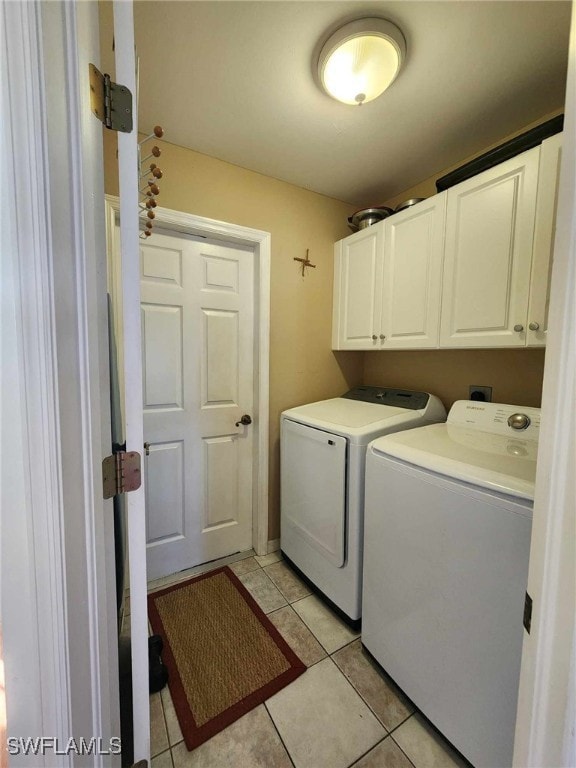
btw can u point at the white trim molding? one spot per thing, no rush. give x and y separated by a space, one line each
546 723
34 605
58 597
260 242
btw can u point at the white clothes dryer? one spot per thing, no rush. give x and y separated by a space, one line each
448 520
323 451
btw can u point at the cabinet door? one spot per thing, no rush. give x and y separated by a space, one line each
357 274
412 276
544 234
489 237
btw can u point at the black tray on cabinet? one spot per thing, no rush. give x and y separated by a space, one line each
505 151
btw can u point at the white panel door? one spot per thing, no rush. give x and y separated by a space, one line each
412 276
357 297
489 236
197 330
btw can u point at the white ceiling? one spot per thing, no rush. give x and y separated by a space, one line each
235 80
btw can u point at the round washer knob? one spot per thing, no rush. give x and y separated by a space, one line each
534 326
518 328
519 421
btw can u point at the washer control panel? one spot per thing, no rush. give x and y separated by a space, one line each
498 418
398 398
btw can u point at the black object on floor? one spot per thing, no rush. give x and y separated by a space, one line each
158 677
157 672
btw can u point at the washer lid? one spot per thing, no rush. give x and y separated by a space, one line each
359 421
506 464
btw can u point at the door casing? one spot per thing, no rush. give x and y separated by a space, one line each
260 242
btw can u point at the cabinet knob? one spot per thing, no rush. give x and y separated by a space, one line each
534 326
374 337
382 337
518 328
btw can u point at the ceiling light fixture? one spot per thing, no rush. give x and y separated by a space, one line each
361 59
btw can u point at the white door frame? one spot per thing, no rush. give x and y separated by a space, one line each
260 242
545 727
57 569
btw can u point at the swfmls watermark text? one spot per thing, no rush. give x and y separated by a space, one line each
52 745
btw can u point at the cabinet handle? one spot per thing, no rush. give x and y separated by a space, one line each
518 328
374 337
534 326
382 337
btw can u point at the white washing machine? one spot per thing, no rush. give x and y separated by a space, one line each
323 451
448 518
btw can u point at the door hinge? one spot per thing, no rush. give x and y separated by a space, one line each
527 613
121 473
110 102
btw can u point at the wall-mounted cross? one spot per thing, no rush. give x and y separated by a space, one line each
305 262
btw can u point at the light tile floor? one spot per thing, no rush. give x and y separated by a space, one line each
341 713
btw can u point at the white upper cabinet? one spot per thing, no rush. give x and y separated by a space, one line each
412 276
544 234
387 281
469 267
357 299
488 255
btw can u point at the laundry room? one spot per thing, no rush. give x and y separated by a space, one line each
443 298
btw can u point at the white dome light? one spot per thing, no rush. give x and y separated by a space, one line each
361 60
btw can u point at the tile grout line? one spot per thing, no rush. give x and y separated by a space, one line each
374 747
388 731
273 585
361 699
163 753
279 734
328 653
400 748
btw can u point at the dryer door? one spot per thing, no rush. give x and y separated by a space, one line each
313 497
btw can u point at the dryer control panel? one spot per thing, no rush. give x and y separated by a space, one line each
398 398
498 418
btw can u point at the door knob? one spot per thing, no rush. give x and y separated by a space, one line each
518 328
374 337
534 326
245 420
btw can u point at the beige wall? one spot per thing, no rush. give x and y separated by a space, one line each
302 366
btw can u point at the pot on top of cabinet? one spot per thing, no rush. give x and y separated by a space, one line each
408 203
368 216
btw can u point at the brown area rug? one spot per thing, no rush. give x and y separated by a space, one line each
223 654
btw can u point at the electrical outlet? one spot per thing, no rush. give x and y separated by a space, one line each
484 394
